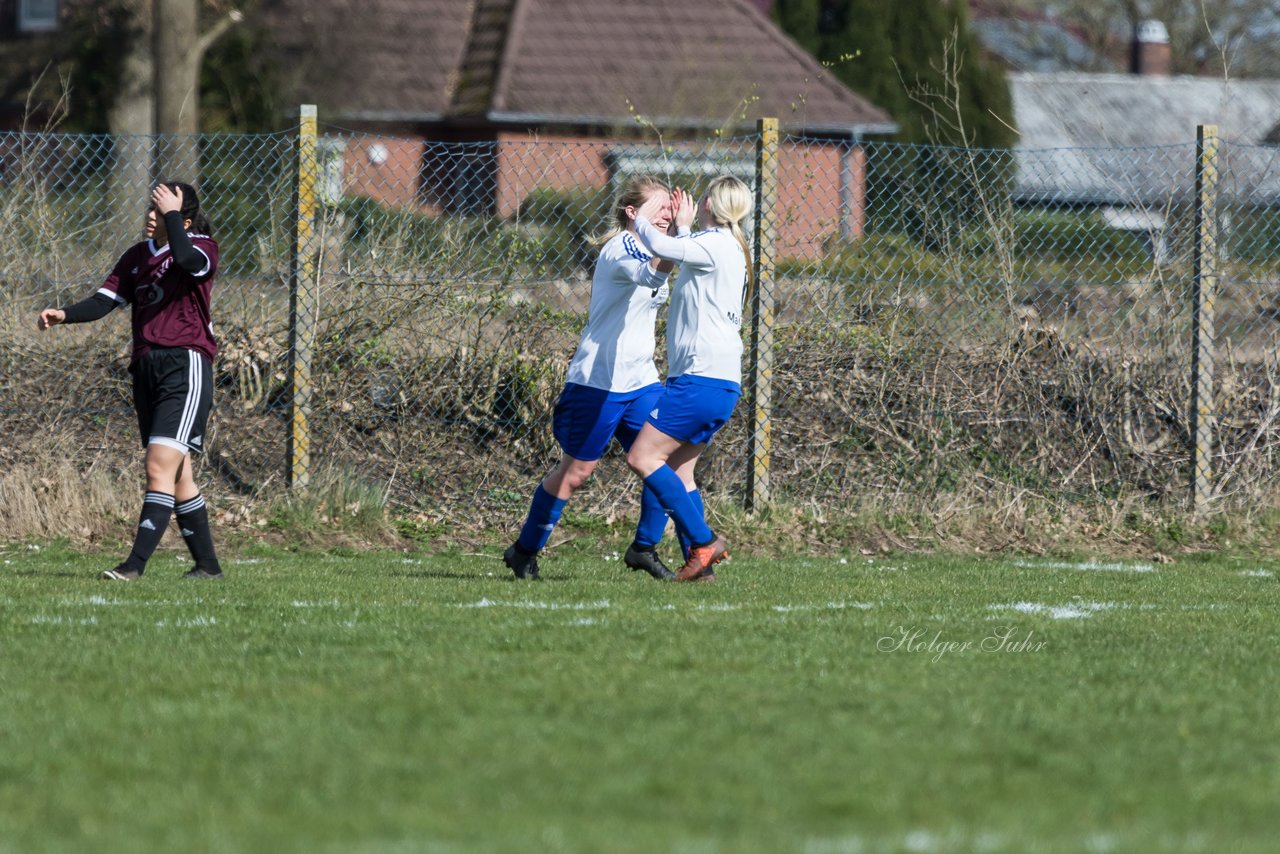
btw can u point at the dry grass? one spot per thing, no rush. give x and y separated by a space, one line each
51 490
48 491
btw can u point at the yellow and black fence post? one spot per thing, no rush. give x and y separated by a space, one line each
1205 289
760 359
303 299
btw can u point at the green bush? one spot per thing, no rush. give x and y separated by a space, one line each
563 224
1032 249
881 257
1254 236
1081 236
249 203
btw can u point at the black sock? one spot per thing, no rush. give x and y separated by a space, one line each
157 507
193 519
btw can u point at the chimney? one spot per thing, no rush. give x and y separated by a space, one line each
1152 55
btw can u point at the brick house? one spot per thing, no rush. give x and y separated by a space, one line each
552 94
547 94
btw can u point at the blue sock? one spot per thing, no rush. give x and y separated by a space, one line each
653 520
544 513
670 489
695 495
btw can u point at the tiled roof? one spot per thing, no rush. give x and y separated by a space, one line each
680 63
677 62
392 60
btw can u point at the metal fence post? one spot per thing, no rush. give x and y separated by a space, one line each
760 374
303 302
1205 288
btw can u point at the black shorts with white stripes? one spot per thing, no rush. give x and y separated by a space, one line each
173 393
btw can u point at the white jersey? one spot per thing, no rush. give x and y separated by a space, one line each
616 350
704 330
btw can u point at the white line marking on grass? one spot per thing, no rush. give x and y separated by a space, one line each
96 600
830 606
541 606
1090 566
1258 573
298 603
245 561
42 620
921 842
584 621
1075 611
192 623
1101 843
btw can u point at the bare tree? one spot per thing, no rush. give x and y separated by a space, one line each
179 49
133 110
131 120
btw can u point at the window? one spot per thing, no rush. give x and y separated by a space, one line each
692 170
461 178
37 15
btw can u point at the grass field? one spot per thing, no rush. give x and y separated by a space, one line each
424 703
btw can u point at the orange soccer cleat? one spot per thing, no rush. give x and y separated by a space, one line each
701 559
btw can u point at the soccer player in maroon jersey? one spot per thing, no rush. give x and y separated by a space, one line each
167 279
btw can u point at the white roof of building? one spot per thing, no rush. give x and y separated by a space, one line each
1127 139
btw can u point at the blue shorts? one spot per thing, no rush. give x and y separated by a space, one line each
587 418
693 409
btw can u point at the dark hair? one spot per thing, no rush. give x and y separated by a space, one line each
191 207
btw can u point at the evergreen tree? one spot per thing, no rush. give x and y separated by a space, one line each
919 62
896 56
800 19
988 107
240 81
857 48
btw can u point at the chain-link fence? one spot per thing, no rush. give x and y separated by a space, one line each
929 319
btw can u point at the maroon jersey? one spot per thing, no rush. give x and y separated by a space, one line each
170 306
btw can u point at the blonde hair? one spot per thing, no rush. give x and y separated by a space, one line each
730 200
633 195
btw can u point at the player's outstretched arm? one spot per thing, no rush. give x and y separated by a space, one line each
95 307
